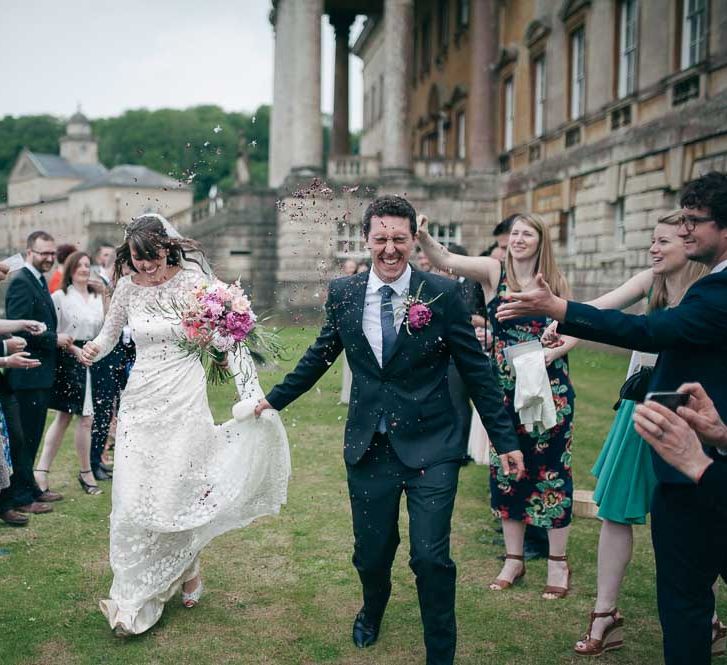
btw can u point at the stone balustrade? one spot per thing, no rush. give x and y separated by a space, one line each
352 168
439 168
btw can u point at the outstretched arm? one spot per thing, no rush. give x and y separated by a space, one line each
482 269
311 367
629 293
115 320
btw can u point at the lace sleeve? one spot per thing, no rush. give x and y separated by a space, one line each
115 319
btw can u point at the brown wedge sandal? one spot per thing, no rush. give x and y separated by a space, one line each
612 638
557 591
500 584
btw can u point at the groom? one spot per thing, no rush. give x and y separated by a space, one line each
401 434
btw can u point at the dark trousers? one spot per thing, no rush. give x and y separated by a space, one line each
18 494
690 545
109 375
375 487
33 403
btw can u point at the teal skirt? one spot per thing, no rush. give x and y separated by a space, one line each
626 479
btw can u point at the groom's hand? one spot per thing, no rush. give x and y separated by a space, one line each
261 406
513 463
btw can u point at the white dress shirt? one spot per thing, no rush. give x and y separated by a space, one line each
81 319
719 267
371 322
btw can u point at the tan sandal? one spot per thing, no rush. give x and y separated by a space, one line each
557 591
499 584
612 638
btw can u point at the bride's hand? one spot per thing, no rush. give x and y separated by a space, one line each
89 353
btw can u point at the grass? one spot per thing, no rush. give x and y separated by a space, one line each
283 591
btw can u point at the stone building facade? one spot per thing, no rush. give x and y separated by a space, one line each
592 113
77 199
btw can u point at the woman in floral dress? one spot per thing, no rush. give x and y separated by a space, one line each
544 497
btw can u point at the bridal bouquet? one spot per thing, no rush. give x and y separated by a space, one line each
217 318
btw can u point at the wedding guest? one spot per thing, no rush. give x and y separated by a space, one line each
544 497
28 298
103 263
502 237
80 312
678 439
180 480
690 341
626 479
12 509
62 253
423 261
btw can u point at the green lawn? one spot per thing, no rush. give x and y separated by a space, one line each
283 591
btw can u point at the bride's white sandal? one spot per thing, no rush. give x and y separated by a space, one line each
191 599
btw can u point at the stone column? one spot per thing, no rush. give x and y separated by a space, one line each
341 23
398 48
305 47
281 113
482 119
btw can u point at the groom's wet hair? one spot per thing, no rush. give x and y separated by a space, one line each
392 206
708 191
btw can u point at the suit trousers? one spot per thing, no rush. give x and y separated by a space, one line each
22 481
376 484
690 545
33 403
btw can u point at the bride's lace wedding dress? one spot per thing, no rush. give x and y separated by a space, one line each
179 479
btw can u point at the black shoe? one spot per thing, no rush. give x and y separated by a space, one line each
108 468
100 474
365 632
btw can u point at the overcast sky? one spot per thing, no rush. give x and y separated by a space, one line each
110 56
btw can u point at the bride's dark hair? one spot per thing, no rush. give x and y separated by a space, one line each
147 235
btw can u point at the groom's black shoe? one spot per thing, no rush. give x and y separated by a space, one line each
365 631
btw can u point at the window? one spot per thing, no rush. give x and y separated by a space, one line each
349 241
509 113
443 22
426 45
627 48
463 14
570 232
694 32
620 224
461 136
441 136
447 234
577 73
539 96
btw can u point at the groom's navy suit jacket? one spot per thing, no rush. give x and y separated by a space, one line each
411 388
691 340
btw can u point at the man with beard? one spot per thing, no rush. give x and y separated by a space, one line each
399 327
28 298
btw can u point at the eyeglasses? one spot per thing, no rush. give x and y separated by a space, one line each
690 223
45 255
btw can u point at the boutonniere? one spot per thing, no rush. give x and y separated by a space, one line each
418 314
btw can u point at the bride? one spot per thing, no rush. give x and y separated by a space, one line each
179 479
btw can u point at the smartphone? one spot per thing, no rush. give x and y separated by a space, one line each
670 400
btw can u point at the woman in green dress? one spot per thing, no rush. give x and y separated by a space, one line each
625 475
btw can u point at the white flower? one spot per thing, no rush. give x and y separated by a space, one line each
222 342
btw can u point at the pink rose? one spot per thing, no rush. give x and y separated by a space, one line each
419 316
239 324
